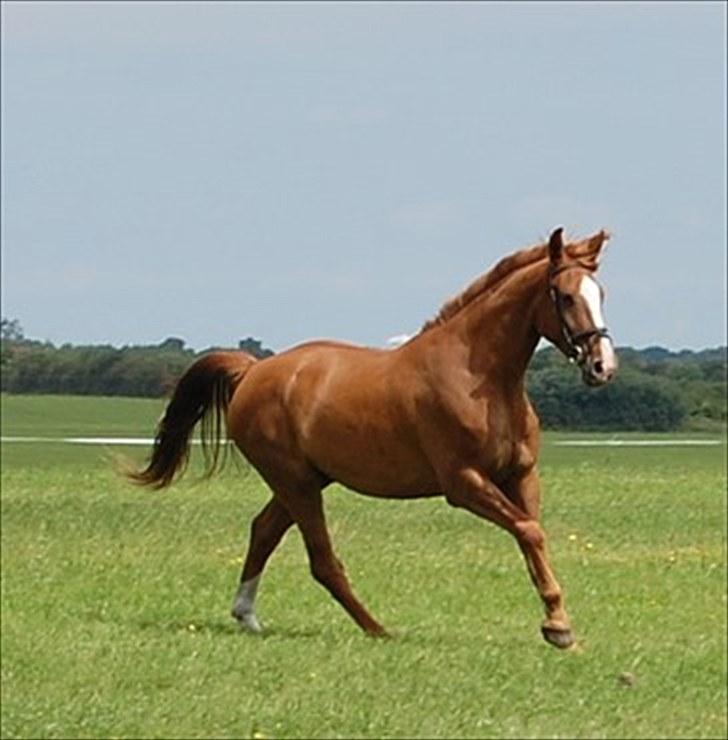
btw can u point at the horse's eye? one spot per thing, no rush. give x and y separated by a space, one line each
567 301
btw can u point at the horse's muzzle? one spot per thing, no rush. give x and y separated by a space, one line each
596 377
600 365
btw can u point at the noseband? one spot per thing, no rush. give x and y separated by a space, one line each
576 342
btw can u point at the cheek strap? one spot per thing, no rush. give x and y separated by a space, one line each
575 342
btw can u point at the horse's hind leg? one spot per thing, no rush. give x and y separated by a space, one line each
266 532
327 569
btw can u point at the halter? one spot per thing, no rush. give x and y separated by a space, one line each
575 342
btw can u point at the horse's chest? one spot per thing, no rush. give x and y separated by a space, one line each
503 441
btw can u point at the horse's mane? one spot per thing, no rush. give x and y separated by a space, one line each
490 279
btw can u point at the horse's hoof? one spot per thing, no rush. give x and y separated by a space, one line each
559 637
378 632
247 621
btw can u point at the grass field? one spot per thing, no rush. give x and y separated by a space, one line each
115 601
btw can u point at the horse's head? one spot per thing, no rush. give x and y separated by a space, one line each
571 316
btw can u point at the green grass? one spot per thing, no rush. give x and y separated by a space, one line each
115 601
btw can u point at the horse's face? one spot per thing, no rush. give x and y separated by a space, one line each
574 317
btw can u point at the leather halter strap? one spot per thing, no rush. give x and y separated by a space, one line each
576 342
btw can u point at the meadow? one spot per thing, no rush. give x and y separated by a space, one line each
115 600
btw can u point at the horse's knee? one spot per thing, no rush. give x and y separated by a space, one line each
530 533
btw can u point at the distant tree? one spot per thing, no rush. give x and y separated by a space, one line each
631 401
714 370
173 343
254 347
11 331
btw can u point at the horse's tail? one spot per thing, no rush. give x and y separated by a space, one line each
201 394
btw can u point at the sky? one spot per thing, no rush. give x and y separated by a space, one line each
289 171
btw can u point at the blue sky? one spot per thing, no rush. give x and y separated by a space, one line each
300 170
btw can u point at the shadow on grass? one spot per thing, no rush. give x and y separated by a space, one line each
403 635
225 629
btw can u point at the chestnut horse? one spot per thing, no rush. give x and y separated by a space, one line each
445 414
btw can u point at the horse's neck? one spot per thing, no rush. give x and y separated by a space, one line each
498 328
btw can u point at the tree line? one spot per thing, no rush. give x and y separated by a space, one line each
655 389
30 366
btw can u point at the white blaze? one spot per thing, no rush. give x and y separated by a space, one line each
589 290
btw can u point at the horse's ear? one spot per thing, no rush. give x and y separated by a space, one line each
594 247
556 247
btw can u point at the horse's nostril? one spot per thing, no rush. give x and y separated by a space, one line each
598 367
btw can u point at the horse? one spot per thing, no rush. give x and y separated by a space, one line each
444 414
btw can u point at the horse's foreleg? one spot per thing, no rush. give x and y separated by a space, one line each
266 532
525 491
477 493
326 568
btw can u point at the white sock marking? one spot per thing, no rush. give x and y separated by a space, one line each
244 606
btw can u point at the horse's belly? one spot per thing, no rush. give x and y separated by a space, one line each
371 460
382 485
